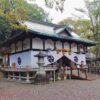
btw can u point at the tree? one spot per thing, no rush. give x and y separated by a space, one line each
82 27
57 4
5 28
94 15
12 12
35 12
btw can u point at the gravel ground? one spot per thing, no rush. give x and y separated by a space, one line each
62 90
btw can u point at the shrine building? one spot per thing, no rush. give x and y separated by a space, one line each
56 41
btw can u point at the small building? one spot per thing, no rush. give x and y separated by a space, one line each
62 46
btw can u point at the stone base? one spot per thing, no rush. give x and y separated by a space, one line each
41 79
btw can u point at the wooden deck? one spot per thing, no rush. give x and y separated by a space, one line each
25 75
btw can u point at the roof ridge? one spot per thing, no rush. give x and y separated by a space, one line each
46 23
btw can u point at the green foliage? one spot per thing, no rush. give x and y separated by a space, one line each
58 4
35 12
81 27
5 28
90 28
94 14
12 12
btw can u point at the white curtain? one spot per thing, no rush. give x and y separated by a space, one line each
77 58
55 55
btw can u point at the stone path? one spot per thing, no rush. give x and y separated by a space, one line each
62 90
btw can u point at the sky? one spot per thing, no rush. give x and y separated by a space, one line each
69 10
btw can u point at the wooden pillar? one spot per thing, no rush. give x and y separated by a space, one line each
30 42
86 73
90 66
43 44
54 76
70 73
78 70
55 45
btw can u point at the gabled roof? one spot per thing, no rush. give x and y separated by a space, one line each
75 37
67 38
71 37
47 23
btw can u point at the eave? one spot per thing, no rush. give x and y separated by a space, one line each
22 35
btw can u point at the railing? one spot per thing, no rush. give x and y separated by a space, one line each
94 70
24 75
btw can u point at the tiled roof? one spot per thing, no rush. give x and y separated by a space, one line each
72 37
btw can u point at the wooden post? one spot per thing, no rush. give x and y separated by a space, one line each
54 75
78 73
70 73
86 73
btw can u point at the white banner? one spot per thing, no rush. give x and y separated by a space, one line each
77 58
55 55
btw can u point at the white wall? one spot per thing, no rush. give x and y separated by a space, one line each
25 59
26 44
37 43
66 45
59 45
12 47
81 47
34 60
49 44
19 46
29 60
74 47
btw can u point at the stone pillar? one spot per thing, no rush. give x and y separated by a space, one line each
51 74
8 75
27 77
19 76
13 76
